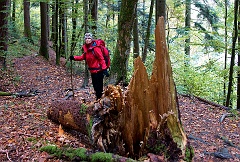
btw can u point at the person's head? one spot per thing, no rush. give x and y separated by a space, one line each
88 38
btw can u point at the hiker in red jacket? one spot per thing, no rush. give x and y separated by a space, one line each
96 63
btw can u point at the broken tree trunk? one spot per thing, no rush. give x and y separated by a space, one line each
145 118
70 114
151 105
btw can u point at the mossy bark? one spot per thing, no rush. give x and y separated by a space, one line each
122 51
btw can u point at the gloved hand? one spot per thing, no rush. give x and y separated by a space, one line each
71 57
105 72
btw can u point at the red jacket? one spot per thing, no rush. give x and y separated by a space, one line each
94 58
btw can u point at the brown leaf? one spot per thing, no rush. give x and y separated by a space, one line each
60 130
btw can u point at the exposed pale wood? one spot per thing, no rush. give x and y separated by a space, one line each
156 95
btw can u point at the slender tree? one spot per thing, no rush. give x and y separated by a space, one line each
93 7
53 25
13 18
135 36
63 30
108 14
56 31
144 55
160 9
44 30
238 78
226 46
74 24
4 4
187 29
86 72
27 26
234 39
121 55
13 10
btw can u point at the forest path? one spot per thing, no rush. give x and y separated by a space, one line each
25 127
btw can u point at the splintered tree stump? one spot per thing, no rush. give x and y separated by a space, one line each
145 118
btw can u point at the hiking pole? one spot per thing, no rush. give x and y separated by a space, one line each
72 79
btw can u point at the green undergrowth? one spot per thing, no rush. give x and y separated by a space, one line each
81 154
189 154
20 48
68 153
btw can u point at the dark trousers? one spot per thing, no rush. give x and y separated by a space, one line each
97 81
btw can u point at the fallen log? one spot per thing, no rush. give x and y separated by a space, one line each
18 94
70 114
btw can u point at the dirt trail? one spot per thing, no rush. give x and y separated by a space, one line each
25 127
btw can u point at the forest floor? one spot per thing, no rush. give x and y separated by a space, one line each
24 126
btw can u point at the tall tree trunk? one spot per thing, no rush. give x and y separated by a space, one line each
74 25
60 24
27 26
4 6
53 7
187 29
13 18
48 22
121 54
13 10
93 6
63 33
160 9
108 14
238 80
144 55
57 30
86 72
44 31
135 36
226 49
234 39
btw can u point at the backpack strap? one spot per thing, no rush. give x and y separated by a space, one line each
94 44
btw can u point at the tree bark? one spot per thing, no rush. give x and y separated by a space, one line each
86 72
160 9
69 114
187 28
93 6
144 55
4 4
234 39
74 25
27 26
226 48
238 78
121 54
44 31
136 50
